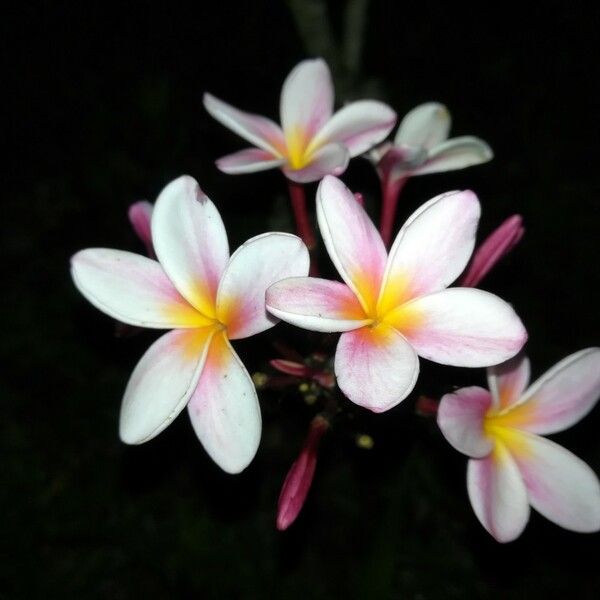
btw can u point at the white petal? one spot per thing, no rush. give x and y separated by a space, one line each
560 486
257 130
254 266
162 383
508 380
463 327
358 126
460 417
498 494
316 304
375 367
351 239
424 126
224 409
306 98
457 153
432 248
250 160
190 242
563 395
132 289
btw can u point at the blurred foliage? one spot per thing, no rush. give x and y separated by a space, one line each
105 108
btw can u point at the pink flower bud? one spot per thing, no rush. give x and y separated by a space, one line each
140 214
299 478
499 243
359 198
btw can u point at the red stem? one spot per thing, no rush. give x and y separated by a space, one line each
390 189
303 224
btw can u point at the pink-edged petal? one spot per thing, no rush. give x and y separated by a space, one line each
498 494
257 130
431 249
352 241
359 126
499 243
463 327
460 418
132 289
457 153
224 408
316 304
254 267
562 396
375 367
140 216
306 99
250 160
560 485
190 242
508 380
331 159
162 383
425 126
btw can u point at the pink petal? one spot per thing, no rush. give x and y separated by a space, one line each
560 486
257 130
508 380
162 383
224 408
140 215
132 289
431 249
358 126
250 160
190 242
460 417
306 99
316 304
290 367
331 159
463 327
375 367
255 266
352 241
563 395
299 478
425 126
457 153
498 494
497 245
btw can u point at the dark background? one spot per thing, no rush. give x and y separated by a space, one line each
104 108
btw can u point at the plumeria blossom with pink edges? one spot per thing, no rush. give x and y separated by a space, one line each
206 298
392 309
312 141
511 466
140 217
421 146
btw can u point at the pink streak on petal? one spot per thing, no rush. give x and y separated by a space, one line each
508 380
497 245
140 215
299 478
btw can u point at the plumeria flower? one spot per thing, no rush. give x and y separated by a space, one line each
206 298
495 247
421 146
511 466
393 308
312 141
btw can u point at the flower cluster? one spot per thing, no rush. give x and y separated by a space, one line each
389 307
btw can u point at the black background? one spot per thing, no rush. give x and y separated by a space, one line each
104 108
